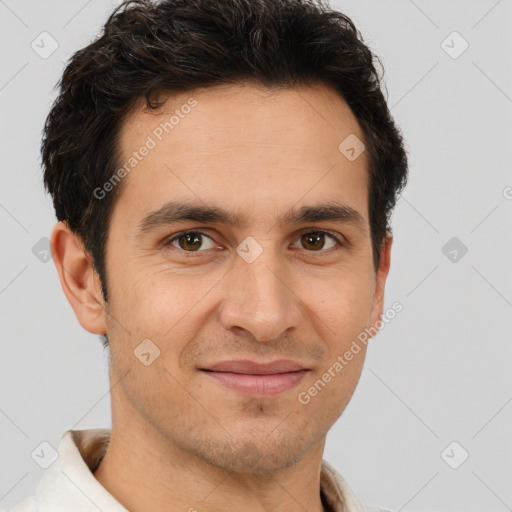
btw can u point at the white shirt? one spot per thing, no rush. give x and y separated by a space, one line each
69 485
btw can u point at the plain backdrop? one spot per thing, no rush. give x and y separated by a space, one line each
437 385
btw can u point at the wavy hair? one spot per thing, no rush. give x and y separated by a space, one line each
146 48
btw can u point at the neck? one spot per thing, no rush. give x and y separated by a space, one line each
145 471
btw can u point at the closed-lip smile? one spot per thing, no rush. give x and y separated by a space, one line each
257 379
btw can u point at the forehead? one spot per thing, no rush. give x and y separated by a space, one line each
243 146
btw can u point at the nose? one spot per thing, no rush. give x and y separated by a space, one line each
259 299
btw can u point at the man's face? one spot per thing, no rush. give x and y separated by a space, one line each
261 290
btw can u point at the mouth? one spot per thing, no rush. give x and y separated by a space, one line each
256 379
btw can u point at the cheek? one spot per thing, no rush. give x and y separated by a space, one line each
166 308
149 297
343 303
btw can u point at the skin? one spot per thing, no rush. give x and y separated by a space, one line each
177 434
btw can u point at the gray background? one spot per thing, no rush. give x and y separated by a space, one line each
438 373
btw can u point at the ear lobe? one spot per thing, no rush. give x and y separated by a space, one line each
79 280
382 274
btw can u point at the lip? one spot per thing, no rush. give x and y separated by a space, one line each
258 385
248 367
256 379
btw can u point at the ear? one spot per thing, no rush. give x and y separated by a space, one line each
79 281
381 276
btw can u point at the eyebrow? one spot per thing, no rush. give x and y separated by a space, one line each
179 211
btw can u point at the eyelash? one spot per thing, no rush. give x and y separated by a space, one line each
339 241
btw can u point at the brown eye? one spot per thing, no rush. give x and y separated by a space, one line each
316 240
189 241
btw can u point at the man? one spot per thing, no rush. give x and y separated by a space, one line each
223 173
